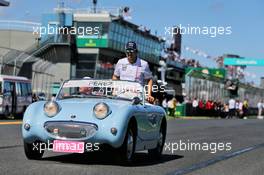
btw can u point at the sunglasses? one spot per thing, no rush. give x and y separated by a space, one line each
130 51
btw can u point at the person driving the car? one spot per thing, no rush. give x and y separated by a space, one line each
133 68
85 90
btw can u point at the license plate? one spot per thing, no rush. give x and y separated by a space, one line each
68 146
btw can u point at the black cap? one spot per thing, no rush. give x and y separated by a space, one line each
131 45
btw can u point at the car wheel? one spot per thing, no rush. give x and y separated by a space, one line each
127 150
157 152
32 150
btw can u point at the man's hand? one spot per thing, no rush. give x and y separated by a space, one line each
150 99
114 77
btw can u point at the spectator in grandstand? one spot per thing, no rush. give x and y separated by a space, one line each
213 107
209 108
232 109
201 107
237 108
245 108
172 106
218 108
226 111
195 107
240 109
260 108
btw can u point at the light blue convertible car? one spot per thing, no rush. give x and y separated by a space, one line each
89 114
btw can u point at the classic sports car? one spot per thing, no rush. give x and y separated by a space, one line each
95 113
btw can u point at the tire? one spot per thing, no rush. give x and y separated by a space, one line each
6 112
31 152
156 153
20 114
127 150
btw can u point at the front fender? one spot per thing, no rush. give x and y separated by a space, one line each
119 119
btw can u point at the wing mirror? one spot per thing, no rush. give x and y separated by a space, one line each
136 101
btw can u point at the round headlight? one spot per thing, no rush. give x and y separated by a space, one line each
101 110
51 108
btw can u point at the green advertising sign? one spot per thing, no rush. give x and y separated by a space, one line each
55 88
206 72
92 42
180 111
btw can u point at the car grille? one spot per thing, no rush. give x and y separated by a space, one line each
70 129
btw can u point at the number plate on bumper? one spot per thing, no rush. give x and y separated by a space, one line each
68 146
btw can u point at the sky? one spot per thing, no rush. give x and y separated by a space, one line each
244 17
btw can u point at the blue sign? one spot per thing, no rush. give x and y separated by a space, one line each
243 62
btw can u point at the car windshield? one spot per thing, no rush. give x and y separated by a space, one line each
100 89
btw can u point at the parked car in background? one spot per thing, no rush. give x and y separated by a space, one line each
15 94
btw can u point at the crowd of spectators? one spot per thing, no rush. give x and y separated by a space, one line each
172 55
231 109
199 107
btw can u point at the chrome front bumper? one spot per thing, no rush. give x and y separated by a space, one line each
70 130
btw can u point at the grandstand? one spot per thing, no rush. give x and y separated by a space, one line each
21 54
4 3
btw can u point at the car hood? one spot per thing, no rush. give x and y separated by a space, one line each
93 101
86 105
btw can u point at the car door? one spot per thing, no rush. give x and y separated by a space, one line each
7 97
152 122
20 99
13 97
139 112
